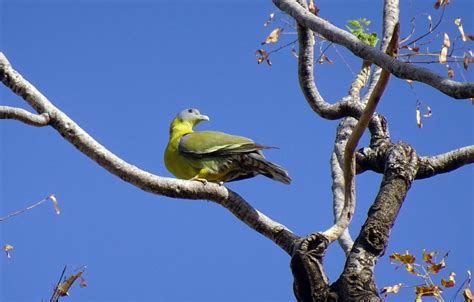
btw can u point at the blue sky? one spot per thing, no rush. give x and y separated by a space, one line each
122 70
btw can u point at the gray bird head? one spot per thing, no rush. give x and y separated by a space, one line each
192 115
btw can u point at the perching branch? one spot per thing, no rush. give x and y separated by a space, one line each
146 181
399 69
39 120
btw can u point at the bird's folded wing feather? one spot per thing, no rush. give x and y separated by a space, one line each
207 143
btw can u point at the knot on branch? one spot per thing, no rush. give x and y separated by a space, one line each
310 281
376 237
356 287
401 162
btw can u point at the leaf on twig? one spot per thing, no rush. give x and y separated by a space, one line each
450 71
55 204
406 258
273 36
270 19
430 22
64 287
391 289
450 282
426 290
323 58
83 282
436 267
8 248
465 61
261 55
468 295
409 268
439 3
313 8
457 21
418 115
444 49
427 257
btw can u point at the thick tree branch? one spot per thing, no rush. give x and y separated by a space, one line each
432 165
428 166
19 114
399 69
146 181
357 280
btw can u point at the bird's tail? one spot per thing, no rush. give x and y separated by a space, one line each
271 170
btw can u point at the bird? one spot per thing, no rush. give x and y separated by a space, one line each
212 156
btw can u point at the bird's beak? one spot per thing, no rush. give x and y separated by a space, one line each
203 117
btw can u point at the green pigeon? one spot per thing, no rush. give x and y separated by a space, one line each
215 156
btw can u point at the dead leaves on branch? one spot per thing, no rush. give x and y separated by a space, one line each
273 36
64 285
427 270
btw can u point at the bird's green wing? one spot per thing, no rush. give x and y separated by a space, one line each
213 143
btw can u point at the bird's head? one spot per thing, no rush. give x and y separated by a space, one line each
191 116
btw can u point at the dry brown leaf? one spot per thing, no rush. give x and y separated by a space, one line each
273 36
429 112
436 267
470 37
8 248
450 71
418 116
406 258
427 290
450 282
468 295
438 3
270 19
313 8
465 61
427 257
83 282
391 289
457 21
409 268
55 204
444 49
431 23
261 55
269 62
64 287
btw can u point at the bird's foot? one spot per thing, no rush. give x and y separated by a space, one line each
201 180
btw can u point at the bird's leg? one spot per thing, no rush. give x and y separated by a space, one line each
201 176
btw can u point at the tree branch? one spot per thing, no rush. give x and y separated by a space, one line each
19 114
357 283
146 181
349 159
428 166
443 163
399 69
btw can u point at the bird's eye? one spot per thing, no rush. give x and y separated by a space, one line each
190 110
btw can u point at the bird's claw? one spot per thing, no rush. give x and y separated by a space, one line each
201 180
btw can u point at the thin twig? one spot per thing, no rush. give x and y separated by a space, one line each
55 295
430 31
25 209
